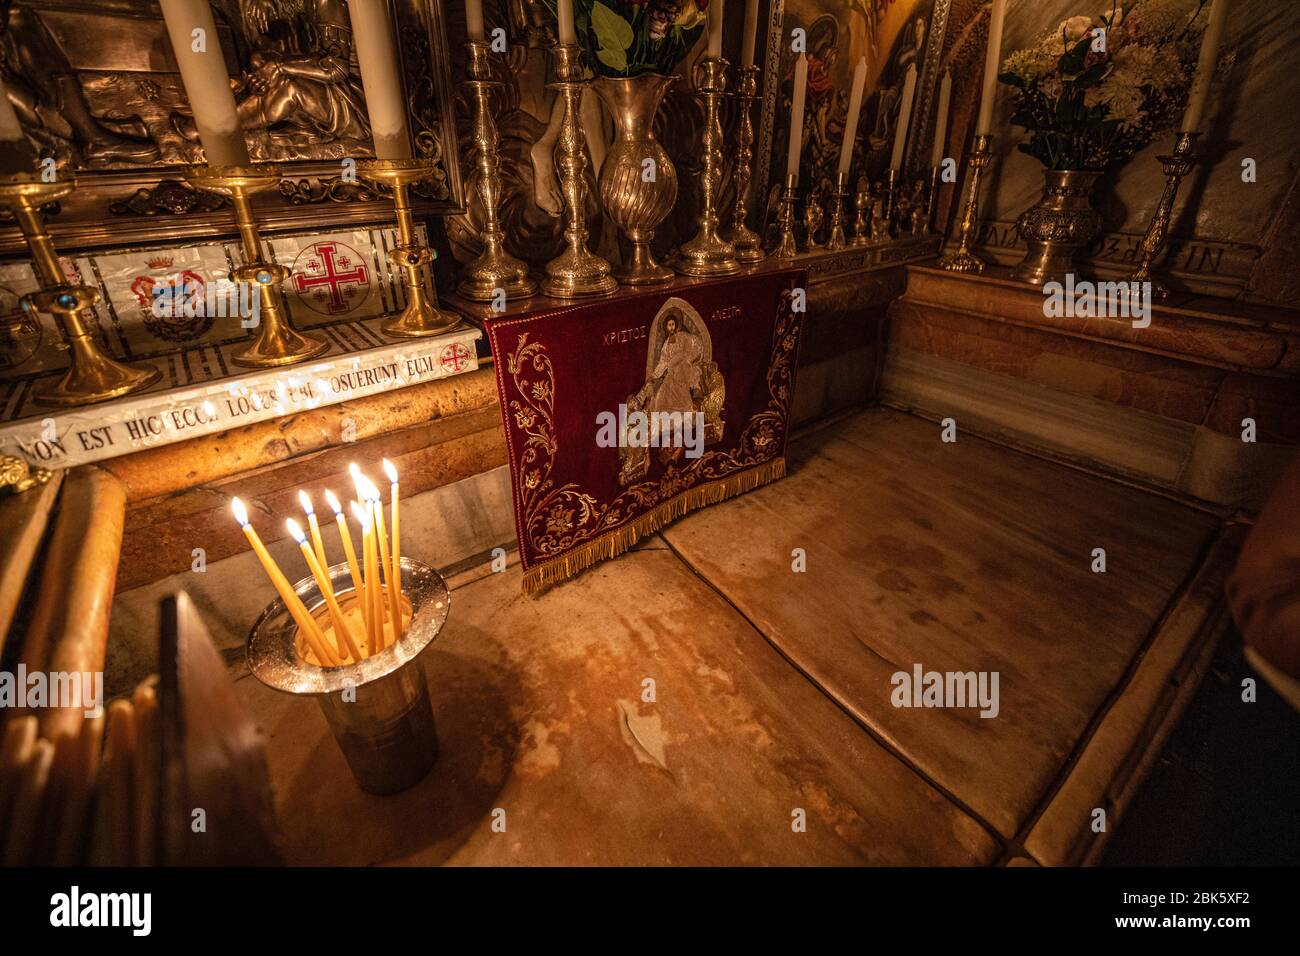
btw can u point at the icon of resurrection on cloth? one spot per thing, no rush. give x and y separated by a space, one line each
681 382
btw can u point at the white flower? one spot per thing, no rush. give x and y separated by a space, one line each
1075 28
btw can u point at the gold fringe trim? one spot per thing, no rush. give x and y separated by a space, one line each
614 543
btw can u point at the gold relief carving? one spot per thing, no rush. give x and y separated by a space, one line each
17 477
170 196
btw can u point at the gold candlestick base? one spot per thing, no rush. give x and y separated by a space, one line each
1176 165
91 375
275 342
836 240
746 243
577 271
422 316
964 259
708 254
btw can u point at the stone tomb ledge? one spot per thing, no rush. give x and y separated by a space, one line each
1163 404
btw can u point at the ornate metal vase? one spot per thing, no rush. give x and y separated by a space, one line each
1056 227
636 194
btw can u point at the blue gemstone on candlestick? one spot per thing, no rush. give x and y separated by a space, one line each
67 301
264 278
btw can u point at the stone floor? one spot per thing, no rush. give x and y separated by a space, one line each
772 686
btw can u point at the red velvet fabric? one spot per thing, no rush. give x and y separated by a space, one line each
725 349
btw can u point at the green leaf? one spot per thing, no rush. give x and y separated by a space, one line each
614 59
613 32
1012 79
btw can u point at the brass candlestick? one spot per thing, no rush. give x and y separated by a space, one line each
495 268
91 375
786 247
862 219
891 188
708 254
964 260
275 342
1176 165
422 315
748 248
577 271
835 239
933 199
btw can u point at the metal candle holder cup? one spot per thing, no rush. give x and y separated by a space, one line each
378 708
91 376
276 342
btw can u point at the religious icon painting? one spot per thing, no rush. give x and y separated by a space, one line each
161 299
333 277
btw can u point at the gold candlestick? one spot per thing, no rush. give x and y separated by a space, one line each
1176 165
275 342
933 199
835 240
862 219
748 248
495 268
891 187
786 248
708 254
91 375
422 316
964 260
577 271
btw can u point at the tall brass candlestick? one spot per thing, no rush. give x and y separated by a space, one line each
835 239
891 188
786 248
744 240
708 254
1176 165
862 220
964 259
933 200
275 341
577 271
495 268
422 316
92 376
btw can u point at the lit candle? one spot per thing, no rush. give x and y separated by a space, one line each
1205 66
372 38
564 20
715 28
992 57
941 120
751 31
851 121
373 627
796 116
385 556
346 537
395 579
904 118
305 500
207 84
474 20
297 610
342 636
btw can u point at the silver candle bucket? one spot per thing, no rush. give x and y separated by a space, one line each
379 708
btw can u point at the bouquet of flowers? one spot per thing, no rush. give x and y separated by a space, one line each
633 37
1097 89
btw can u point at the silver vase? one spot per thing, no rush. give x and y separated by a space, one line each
1057 226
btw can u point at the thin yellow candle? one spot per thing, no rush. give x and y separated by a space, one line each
385 558
396 579
342 636
362 515
306 623
304 499
349 552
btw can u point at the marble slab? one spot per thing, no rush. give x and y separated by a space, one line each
958 557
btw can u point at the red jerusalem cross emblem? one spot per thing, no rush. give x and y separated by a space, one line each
331 278
454 358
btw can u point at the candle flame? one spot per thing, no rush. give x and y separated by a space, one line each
295 530
333 502
304 499
241 513
390 471
362 515
358 479
368 489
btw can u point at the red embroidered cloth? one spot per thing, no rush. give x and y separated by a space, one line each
623 414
